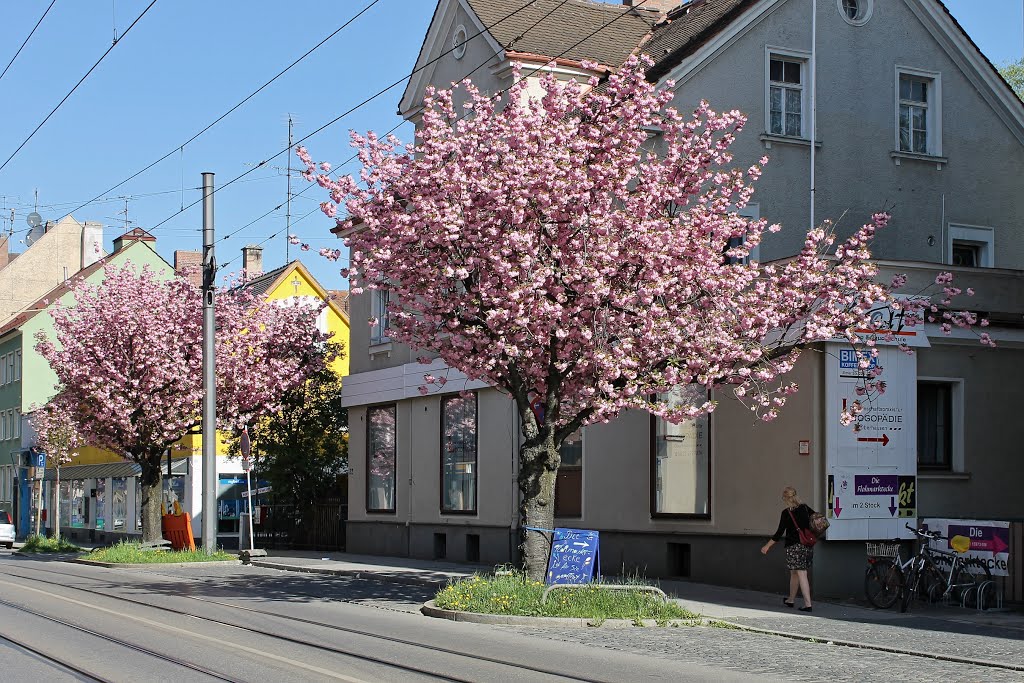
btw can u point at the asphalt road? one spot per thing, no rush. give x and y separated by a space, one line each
61 621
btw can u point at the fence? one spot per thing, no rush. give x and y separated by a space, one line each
319 526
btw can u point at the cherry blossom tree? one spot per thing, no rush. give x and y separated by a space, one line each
128 359
583 253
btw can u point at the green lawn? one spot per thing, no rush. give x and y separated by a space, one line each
42 544
515 594
131 553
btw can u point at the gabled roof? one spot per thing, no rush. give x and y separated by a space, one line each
552 28
63 288
688 27
264 284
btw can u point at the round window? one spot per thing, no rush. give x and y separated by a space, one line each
459 42
855 12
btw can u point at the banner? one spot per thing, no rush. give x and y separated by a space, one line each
990 541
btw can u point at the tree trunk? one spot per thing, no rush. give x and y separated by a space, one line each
152 495
538 467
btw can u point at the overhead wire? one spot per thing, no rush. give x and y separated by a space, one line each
27 38
80 81
498 94
181 147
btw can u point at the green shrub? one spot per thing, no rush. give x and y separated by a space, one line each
131 552
515 594
42 544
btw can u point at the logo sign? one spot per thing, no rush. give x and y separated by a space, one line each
849 359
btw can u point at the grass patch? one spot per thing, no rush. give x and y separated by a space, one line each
127 552
714 623
514 594
42 544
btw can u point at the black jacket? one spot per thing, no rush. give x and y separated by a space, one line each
802 513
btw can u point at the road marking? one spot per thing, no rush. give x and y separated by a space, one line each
218 641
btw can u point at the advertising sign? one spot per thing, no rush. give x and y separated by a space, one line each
990 541
574 556
871 465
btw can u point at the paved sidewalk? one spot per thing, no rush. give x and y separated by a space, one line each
387 569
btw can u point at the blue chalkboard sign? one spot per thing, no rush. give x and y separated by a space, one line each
575 557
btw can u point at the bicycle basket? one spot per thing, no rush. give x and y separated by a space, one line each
876 549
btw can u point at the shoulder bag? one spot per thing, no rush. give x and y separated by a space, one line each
807 537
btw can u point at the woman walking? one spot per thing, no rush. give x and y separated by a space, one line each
795 516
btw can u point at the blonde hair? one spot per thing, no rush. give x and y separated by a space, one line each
790 498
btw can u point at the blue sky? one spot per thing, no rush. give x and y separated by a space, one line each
188 61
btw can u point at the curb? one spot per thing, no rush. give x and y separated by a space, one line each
874 646
150 565
431 610
355 573
58 556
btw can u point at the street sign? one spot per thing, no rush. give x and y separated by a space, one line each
246 447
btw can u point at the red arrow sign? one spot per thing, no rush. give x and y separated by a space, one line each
884 439
836 507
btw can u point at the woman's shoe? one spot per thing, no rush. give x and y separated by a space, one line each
788 604
805 609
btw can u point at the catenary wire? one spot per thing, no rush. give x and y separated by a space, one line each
27 38
338 118
498 94
223 116
81 80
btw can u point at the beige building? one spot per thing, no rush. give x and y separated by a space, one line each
58 251
698 500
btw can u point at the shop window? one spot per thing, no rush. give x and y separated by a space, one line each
458 453
569 481
380 455
680 460
101 504
119 503
229 502
78 508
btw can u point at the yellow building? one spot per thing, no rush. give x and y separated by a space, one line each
111 489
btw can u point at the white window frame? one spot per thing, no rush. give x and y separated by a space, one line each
17 365
379 299
3 369
933 118
17 423
866 8
973 235
786 54
752 212
956 437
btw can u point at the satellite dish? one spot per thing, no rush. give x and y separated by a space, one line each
37 228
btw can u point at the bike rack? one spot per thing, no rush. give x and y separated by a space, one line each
613 586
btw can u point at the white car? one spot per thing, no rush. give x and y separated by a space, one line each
6 529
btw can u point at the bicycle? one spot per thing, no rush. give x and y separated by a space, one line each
883 578
967 576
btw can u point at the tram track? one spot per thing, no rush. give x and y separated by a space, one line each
102 636
308 622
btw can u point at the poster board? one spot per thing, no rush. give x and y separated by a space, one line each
575 557
990 541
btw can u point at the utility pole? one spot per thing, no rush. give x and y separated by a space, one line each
288 199
209 375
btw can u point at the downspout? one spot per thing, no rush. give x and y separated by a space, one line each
814 98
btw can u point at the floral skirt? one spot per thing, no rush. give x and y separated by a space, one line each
799 556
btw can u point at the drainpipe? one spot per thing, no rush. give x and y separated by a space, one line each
814 98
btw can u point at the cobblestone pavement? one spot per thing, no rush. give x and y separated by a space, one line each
774 656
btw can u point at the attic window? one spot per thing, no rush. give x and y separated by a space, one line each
459 42
855 12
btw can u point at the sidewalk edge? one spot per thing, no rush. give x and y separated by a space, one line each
873 646
355 573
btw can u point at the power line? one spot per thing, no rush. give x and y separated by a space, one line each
223 116
342 115
29 36
82 80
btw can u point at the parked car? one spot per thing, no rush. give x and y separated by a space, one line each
6 529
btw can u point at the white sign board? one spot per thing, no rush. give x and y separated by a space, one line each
871 466
990 541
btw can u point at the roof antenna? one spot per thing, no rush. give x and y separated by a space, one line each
113 18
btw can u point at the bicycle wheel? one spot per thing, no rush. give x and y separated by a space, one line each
970 580
883 582
933 583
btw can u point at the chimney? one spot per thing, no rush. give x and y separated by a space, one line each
189 264
92 243
133 235
5 256
663 6
252 259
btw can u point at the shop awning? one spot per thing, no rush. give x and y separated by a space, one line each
110 469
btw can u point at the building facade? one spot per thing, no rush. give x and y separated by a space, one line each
909 117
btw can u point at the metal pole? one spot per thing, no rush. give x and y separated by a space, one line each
288 199
209 374
248 487
56 506
814 99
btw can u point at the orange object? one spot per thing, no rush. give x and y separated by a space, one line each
178 530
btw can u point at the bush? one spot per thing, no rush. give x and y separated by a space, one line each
515 594
42 544
129 552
